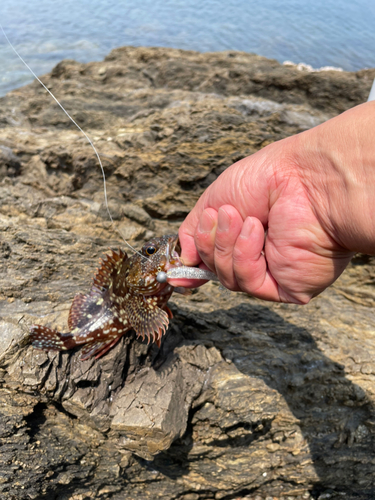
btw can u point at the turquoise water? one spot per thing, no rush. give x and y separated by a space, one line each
336 33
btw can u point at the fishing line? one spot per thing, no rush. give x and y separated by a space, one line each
83 132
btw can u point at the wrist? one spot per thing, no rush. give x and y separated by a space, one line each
336 163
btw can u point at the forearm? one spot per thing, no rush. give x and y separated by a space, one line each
336 161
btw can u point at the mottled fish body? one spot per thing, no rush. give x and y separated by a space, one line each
125 295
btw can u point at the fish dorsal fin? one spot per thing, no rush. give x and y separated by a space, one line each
146 318
84 307
110 265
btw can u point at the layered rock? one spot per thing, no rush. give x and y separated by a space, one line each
244 399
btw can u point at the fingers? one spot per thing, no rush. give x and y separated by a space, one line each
228 229
192 254
250 265
204 237
233 250
186 282
189 252
186 233
215 237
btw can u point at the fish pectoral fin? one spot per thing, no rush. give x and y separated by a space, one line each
97 348
43 337
97 342
147 318
168 311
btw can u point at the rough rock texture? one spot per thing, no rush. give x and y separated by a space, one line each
244 399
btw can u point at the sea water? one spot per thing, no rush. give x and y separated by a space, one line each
337 33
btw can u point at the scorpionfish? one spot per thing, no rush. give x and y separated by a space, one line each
125 295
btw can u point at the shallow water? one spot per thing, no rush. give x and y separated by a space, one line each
321 33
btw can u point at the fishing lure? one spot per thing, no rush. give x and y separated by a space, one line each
194 273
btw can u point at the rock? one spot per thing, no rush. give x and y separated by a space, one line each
152 411
137 214
244 399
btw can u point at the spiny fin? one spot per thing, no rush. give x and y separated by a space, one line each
98 342
168 311
76 310
146 318
86 310
107 270
43 337
97 348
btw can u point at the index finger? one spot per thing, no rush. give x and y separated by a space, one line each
189 252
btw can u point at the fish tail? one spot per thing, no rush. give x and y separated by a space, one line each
45 338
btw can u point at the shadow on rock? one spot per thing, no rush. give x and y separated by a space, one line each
244 436
238 401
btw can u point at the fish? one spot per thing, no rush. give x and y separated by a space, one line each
125 295
127 292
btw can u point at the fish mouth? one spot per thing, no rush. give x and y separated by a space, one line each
173 253
169 259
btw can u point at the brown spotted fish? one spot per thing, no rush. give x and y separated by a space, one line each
125 295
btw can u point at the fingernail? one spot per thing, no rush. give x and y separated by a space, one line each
223 220
206 223
247 228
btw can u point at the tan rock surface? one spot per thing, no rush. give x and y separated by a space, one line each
245 399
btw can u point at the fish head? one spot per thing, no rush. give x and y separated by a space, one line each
156 255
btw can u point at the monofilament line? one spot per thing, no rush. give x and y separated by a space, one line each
79 128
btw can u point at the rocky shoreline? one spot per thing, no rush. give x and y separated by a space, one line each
245 399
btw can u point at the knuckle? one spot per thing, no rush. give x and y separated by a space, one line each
203 244
250 279
239 257
229 282
222 250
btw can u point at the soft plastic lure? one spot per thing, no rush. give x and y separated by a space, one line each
186 272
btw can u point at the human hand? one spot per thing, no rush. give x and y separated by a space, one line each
293 261
273 224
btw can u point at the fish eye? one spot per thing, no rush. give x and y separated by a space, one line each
150 250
